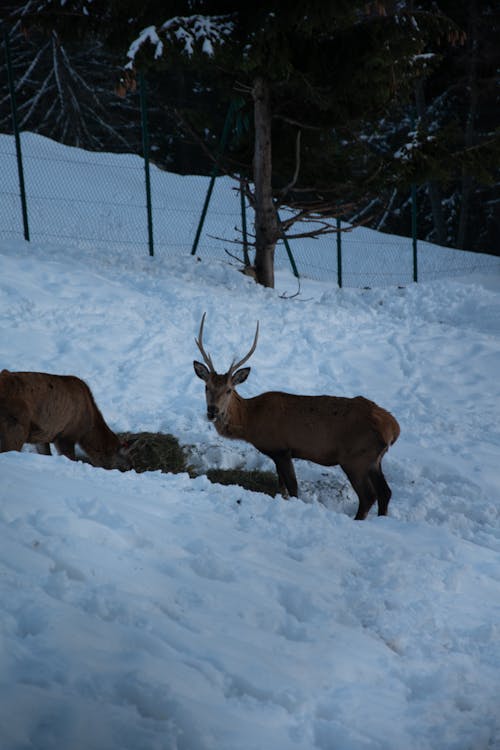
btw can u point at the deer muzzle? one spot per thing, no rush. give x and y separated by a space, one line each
212 412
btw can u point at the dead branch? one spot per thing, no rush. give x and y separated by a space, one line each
235 257
316 212
296 123
295 177
285 295
231 242
315 233
243 88
247 192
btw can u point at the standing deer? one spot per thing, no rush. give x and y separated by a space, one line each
39 408
354 433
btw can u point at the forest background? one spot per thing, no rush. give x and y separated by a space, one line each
439 131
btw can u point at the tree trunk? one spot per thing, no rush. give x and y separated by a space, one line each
266 222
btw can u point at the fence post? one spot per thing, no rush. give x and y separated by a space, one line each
20 170
288 249
414 230
145 149
339 253
233 106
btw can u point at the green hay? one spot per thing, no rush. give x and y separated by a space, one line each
155 451
258 481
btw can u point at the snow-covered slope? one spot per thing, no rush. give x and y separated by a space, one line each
157 612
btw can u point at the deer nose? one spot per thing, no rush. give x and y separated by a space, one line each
212 412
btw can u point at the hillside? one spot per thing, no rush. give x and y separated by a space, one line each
158 612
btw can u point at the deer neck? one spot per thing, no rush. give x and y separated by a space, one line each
233 424
100 439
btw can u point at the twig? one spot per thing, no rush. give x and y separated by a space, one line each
295 177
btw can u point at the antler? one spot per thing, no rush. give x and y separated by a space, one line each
199 343
234 366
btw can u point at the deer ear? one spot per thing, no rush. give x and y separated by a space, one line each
241 375
201 370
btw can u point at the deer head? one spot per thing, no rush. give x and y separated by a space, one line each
219 389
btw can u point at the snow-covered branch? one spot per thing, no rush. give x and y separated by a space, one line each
188 31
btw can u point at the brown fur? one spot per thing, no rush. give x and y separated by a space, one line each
40 408
354 433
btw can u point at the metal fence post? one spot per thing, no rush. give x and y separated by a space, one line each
339 253
20 170
145 148
288 249
414 230
233 106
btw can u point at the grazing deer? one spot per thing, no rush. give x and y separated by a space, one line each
354 433
39 408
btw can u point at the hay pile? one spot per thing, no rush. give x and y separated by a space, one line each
153 451
156 451
258 481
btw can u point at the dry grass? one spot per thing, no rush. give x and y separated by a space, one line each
156 451
258 481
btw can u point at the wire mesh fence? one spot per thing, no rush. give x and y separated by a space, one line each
99 199
105 199
53 192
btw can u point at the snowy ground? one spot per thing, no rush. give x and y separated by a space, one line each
157 612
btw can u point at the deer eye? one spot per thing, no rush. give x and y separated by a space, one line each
228 391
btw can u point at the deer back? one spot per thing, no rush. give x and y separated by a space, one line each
324 429
54 404
45 407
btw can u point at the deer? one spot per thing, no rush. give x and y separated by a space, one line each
354 433
41 408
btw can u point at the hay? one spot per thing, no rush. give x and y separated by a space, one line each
153 451
258 481
156 451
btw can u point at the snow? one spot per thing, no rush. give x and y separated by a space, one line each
159 612
149 34
187 30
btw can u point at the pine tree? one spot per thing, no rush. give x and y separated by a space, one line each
454 152
314 76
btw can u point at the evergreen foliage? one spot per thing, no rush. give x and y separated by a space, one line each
365 99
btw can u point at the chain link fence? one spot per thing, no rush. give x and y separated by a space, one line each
57 193
99 199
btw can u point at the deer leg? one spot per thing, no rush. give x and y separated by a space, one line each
65 447
14 429
287 481
13 440
364 489
43 449
381 487
282 486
